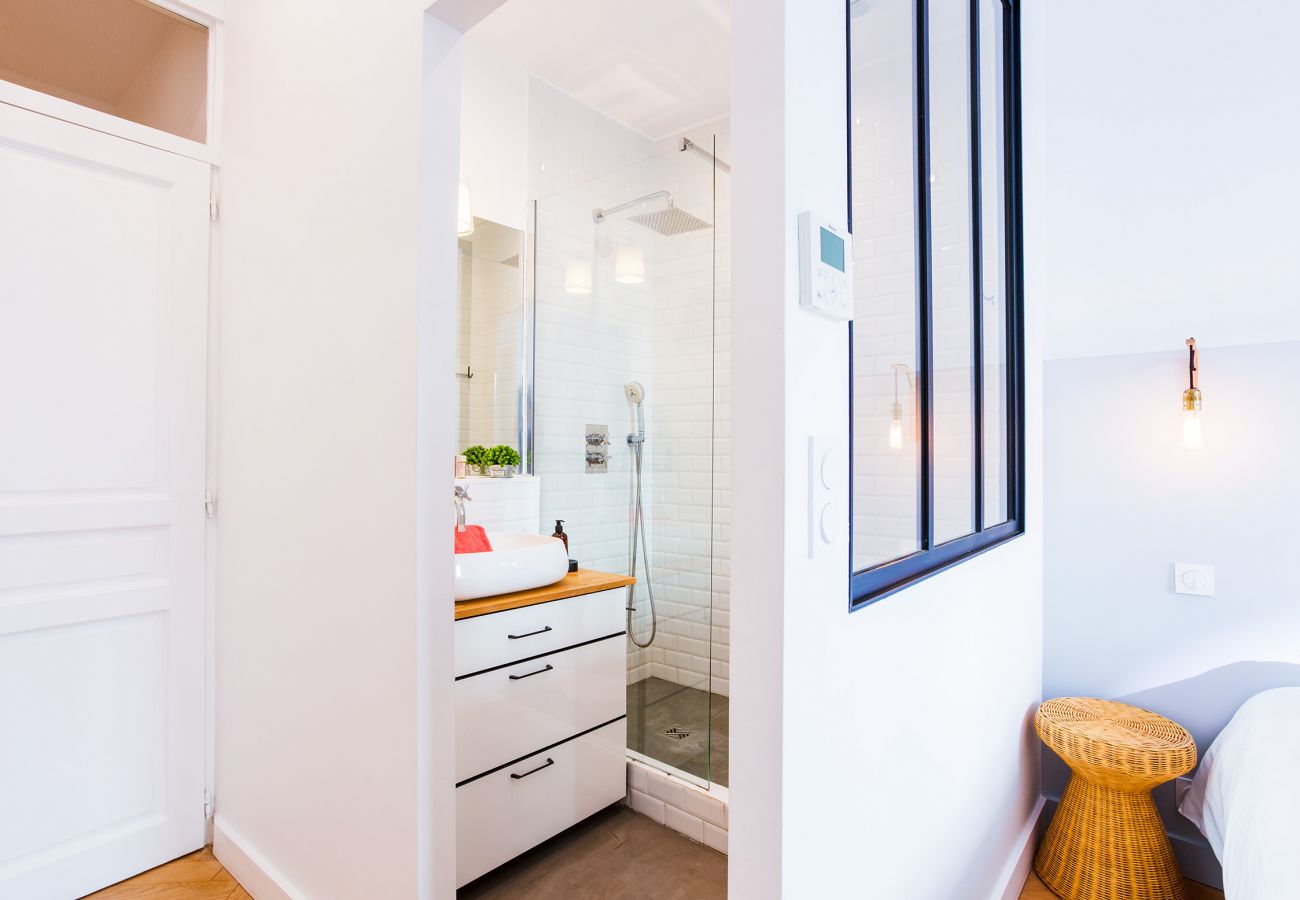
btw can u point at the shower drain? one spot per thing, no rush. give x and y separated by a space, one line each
677 732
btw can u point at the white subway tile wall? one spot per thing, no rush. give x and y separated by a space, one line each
504 504
663 333
885 510
951 270
691 475
587 345
884 289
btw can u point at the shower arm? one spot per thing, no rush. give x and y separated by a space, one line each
688 144
598 215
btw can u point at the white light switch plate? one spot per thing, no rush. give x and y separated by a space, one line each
826 471
1194 578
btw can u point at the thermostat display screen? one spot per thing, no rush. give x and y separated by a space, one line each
832 249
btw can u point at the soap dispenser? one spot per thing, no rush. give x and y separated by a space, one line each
559 533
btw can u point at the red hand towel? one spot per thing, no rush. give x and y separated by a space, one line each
472 540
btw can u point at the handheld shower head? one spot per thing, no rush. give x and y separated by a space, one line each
635 393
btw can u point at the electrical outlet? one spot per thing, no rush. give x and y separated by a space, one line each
1194 578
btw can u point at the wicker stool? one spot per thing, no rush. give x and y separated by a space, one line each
1106 840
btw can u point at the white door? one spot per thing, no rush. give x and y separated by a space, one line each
103 324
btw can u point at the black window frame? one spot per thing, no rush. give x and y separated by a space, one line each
874 583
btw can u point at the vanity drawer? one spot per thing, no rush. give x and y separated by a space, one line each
512 810
505 713
505 637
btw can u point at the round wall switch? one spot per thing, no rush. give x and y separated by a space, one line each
1194 578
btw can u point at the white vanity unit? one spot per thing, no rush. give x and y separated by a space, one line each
541 716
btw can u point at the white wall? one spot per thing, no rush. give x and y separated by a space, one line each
1169 215
1126 501
329 656
842 723
494 133
1172 174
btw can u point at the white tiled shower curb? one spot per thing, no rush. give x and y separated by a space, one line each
699 814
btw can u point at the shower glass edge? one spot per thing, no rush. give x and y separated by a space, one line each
662 332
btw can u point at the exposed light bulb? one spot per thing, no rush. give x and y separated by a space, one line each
1192 427
629 265
896 428
577 277
464 215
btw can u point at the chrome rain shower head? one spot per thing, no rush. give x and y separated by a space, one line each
668 221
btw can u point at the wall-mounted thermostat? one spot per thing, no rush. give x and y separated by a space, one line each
825 268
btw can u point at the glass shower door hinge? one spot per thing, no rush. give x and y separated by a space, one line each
210 505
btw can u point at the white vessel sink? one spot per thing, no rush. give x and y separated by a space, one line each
516 562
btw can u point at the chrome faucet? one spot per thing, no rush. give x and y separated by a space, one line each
462 494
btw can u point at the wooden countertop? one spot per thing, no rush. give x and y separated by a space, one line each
575 584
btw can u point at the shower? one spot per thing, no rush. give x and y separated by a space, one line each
667 221
635 394
651 240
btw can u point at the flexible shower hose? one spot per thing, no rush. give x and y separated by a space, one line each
638 527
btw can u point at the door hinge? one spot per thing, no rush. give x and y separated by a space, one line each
208 805
210 505
214 209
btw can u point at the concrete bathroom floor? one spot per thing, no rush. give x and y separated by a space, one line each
658 711
616 854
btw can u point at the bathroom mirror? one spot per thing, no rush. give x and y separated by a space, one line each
489 334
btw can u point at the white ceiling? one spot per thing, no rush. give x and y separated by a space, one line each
656 66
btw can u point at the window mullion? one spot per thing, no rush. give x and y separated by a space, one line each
924 292
1014 271
977 308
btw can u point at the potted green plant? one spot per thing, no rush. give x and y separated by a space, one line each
504 461
478 459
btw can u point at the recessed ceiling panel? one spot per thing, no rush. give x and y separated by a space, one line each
658 68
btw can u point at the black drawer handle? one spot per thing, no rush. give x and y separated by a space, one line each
515 637
531 674
549 762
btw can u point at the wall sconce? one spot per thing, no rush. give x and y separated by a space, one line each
629 265
577 277
464 216
1192 398
896 411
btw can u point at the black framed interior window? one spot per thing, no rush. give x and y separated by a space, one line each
937 341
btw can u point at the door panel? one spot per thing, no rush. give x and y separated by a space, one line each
103 340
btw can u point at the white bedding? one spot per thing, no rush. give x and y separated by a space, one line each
1245 798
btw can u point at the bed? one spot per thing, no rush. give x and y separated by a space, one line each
1245 795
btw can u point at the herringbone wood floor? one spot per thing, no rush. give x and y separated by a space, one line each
198 876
